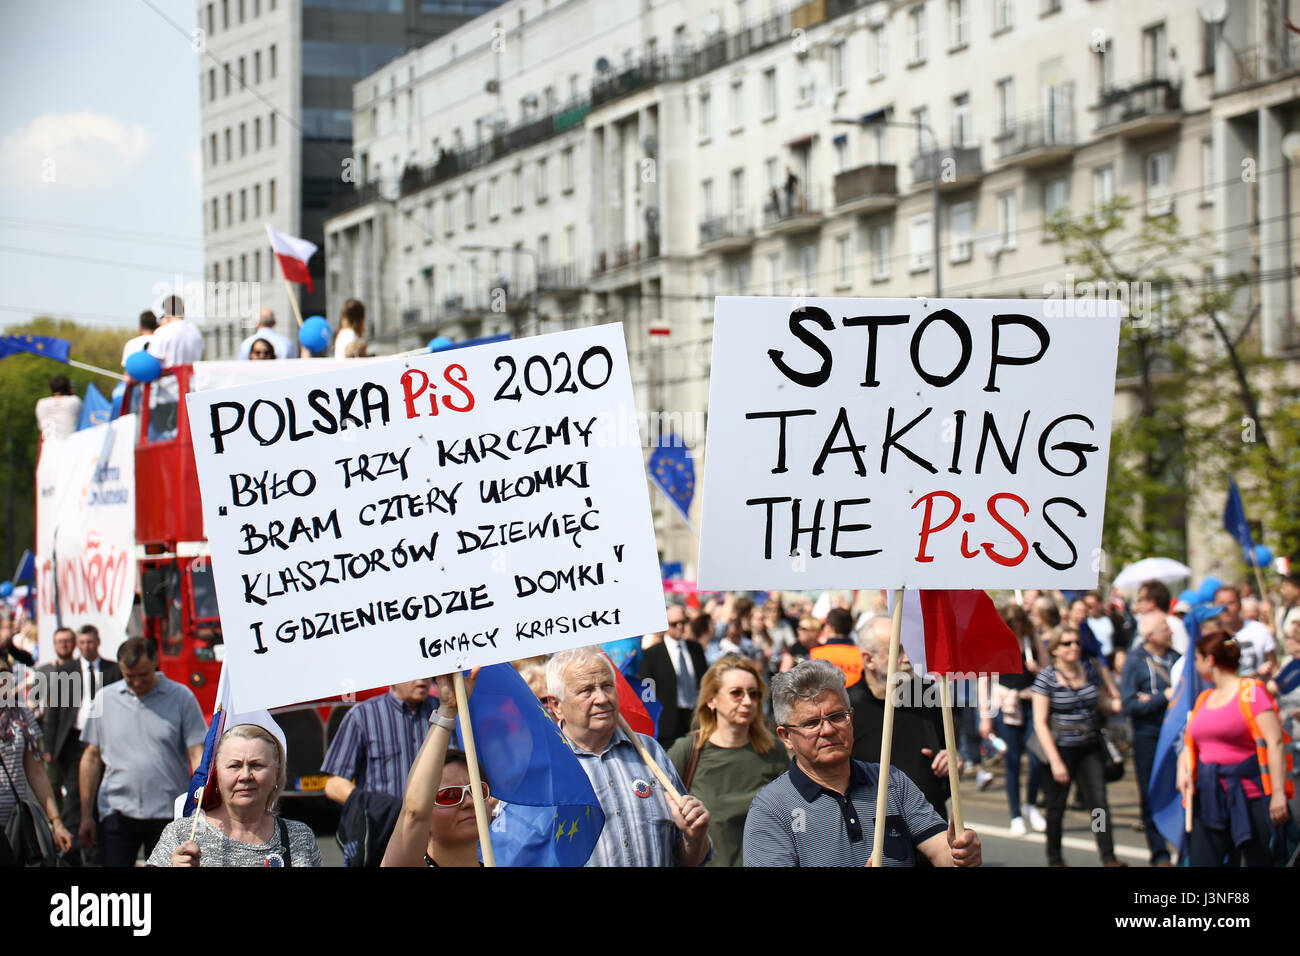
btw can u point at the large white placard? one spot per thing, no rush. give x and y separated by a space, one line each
410 517
85 533
887 443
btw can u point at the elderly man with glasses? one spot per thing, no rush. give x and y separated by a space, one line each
821 812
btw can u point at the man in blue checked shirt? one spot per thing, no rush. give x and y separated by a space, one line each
643 826
821 812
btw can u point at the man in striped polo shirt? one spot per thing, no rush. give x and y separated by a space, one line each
821 812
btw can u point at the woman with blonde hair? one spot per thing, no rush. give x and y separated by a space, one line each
243 829
731 754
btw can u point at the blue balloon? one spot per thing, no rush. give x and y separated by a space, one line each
6 588
1208 587
315 334
142 366
439 343
1190 597
1263 556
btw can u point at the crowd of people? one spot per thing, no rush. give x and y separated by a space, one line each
767 752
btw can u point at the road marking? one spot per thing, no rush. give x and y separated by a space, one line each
1139 854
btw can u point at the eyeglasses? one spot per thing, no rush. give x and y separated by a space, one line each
676 623
1068 644
737 693
455 796
837 719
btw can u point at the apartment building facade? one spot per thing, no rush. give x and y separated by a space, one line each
554 164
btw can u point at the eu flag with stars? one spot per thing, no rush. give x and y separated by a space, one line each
552 816
673 470
46 345
95 408
1234 517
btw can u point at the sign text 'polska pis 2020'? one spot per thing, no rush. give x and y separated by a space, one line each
951 443
408 517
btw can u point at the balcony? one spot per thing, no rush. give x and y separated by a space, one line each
788 213
958 167
1037 139
350 199
413 318
559 279
453 305
1145 107
728 233
866 189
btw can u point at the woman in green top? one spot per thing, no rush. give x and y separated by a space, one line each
732 754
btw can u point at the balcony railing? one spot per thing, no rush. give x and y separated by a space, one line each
558 278
871 185
354 198
413 317
791 207
1045 134
956 166
453 305
1140 106
733 229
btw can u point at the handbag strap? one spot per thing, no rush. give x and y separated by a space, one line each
693 761
9 777
284 838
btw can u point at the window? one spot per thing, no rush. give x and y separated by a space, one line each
916 35
808 268
270 196
710 290
839 68
257 66
241 11
229 154
1007 221
706 199
257 200
1103 185
920 243
1006 105
212 84
225 79
774 274
272 64
243 268
271 134
242 74
216 214
448 216
225 14
549 99
960 224
1209 39
494 198
543 184
517 188
706 117
257 133
1155 52
230 210
738 196
1056 198
877 52
737 105
1004 17
958 23
243 205
844 261
878 141
469 207
212 23
740 278
543 251
257 264
212 143
921 124
961 121
769 93
881 239
1159 199
243 139
771 174
569 245
566 169
1207 170
574 87
1104 66
842 161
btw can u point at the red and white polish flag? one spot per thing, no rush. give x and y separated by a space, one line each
956 632
293 254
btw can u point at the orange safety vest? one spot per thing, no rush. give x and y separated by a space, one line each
1244 693
846 657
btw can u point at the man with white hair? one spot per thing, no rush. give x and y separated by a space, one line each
643 825
1145 689
821 811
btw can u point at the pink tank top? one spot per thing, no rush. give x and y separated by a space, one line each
1222 736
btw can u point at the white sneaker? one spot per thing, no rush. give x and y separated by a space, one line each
1037 820
983 779
1018 826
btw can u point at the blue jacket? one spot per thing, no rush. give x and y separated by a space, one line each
1142 674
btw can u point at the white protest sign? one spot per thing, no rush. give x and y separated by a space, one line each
888 443
85 533
410 517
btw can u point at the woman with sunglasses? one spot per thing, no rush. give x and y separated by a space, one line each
436 826
731 754
1067 695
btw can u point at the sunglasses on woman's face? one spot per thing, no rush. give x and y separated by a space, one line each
455 796
1068 644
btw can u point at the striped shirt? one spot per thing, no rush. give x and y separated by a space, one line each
794 821
20 734
1074 717
639 828
377 743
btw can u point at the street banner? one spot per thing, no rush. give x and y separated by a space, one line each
891 443
85 533
416 516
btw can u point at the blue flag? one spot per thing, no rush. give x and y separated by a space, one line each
1166 801
26 568
552 817
46 345
673 470
1234 518
95 408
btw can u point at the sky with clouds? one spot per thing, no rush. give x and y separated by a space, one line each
100 188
